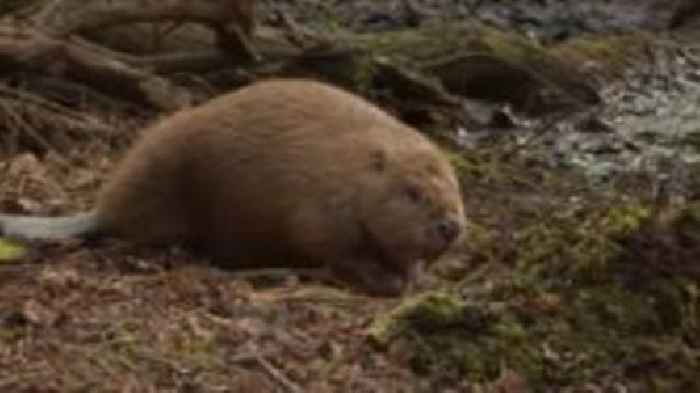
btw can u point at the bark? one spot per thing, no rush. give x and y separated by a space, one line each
232 20
35 52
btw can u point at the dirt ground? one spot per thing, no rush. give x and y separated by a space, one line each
79 316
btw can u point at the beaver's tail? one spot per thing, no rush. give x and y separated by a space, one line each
29 227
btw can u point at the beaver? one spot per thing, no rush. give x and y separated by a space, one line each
282 171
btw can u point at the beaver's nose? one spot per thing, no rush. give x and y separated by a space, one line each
449 229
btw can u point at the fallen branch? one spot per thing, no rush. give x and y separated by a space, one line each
73 119
278 376
33 51
232 20
75 16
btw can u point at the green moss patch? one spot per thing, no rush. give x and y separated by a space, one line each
11 251
575 287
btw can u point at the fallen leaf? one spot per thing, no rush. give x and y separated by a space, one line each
11 251
39 314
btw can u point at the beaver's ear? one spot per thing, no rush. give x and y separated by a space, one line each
378 160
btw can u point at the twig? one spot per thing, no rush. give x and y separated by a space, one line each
47 12
78 117
278 376
232 21
30 50
294 34
542 130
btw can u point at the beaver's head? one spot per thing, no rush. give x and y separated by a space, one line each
412 206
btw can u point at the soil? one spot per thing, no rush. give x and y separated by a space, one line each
80 316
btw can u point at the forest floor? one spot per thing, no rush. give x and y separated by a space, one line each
564 284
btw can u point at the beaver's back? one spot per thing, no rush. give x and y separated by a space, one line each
238 170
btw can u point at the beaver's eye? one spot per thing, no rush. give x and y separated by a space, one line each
413 193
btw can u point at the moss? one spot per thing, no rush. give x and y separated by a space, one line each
687 223
509 46
365 71
600 308
11 335
416 47
599 328
11 251
473 340
613 53
576 245
430 311
573 304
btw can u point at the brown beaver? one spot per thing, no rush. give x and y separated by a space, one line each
281 169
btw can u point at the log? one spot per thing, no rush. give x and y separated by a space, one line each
28 50
232 20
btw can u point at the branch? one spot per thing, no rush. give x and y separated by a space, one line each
30 50
232 20
74 16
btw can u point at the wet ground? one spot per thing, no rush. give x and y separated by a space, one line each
647 119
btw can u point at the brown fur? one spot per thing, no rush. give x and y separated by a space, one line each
289 171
